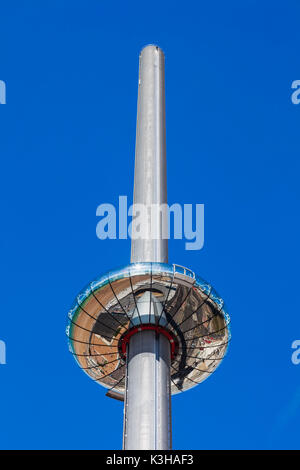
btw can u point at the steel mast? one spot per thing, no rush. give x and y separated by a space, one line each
147 408
117 328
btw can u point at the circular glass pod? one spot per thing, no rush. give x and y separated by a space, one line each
183 306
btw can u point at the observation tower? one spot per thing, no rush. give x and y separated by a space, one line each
150 329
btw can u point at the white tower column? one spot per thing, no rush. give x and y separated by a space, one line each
147 404
150 177
147 408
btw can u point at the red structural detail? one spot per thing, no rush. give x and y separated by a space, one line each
158 329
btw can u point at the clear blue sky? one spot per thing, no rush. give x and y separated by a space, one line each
67 145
